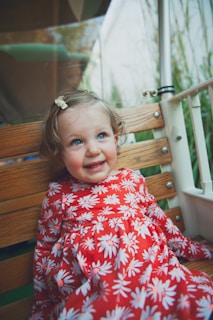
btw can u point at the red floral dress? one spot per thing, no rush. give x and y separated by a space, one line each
107 251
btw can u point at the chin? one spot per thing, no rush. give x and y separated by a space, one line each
97 179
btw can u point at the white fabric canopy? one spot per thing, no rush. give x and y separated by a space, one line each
122 58
125 57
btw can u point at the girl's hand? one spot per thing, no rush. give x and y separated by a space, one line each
208 245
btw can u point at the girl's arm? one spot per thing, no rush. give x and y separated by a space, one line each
49 230
181 245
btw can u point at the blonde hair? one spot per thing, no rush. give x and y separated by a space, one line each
51 146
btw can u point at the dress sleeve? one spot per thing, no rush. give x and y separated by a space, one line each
181 245
49 230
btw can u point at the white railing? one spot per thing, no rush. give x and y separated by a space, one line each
192 96
196 202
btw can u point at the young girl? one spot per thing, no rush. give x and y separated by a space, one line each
105 250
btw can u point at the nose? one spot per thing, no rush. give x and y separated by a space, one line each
92 149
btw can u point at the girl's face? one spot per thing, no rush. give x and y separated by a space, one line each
89 144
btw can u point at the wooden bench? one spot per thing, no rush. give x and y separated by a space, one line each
24 182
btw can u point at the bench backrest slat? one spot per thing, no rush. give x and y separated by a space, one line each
20 139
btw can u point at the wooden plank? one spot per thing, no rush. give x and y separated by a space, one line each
23 179
203 265
141 118
157 186
20 139
22 202
17 271
144 154
139 155
18 219
18 226
19 310
28 135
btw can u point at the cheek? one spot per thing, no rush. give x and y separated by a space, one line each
71 159
113 152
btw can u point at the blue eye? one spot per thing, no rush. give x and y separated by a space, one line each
102 135
76 142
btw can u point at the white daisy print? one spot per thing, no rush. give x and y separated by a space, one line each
183 302
205 307
99 189
206 288
67 199
121 258
41 228
39 284
161 291
85 287
130 242
71 211
178 274
41 265
120 288
82 260
115 187
98 269
171 227
155 211
134 267
54 188
141 227
104 290
131 198
64 280
98 224
49 266
54 226
127 211
128 185
109 244
118 313
88 201
106 210
87 307
86 216
199 279
48 213
112 199
57 204
139 297
57 248
88 244
145 277
76 268
116 224
137 177
150 313
150 253
71 314
45 202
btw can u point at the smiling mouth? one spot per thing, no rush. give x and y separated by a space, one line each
94 165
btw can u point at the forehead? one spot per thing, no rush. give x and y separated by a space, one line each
85 111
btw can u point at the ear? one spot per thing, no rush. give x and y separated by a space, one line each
116 139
